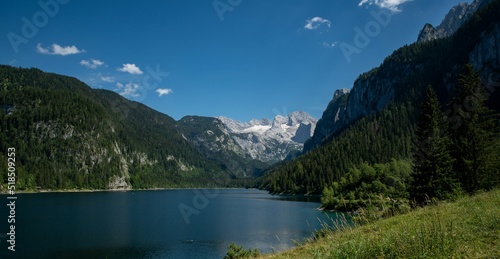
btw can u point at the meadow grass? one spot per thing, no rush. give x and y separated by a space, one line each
466 228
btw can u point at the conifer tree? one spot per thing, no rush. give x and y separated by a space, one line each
432 172
474 133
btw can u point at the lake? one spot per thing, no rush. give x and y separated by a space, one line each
157 224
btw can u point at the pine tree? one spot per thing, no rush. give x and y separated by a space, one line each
474 134
432 172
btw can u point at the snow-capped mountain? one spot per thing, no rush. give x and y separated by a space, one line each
282 127
247 148
271 141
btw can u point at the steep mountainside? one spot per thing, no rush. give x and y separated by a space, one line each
67 135
419 64
376 123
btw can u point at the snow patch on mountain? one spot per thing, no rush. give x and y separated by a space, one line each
257 129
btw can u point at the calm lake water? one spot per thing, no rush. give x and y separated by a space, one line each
156 224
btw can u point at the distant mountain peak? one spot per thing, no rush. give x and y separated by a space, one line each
292 119
452 21
272 141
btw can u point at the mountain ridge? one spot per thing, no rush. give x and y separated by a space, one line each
68 135
247 148
451 22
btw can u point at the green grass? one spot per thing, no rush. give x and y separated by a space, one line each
466 228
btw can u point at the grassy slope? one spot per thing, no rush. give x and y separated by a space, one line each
467 228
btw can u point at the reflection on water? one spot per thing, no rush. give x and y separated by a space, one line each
150 224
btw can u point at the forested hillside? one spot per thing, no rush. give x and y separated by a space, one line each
67 135
383 108
373 139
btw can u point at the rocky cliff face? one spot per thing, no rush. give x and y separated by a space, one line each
371 92
486 58
331 121
452 21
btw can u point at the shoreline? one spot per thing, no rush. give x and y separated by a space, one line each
113 190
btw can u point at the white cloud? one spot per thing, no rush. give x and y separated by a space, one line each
165 91
330 44
316 22
42 50
56 49
92 63
128 90
108 79
392 5
131 68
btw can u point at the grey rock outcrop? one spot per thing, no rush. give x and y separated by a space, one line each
452 21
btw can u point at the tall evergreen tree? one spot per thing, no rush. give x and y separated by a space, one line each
474 133
432 172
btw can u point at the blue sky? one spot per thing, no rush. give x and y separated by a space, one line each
241 59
